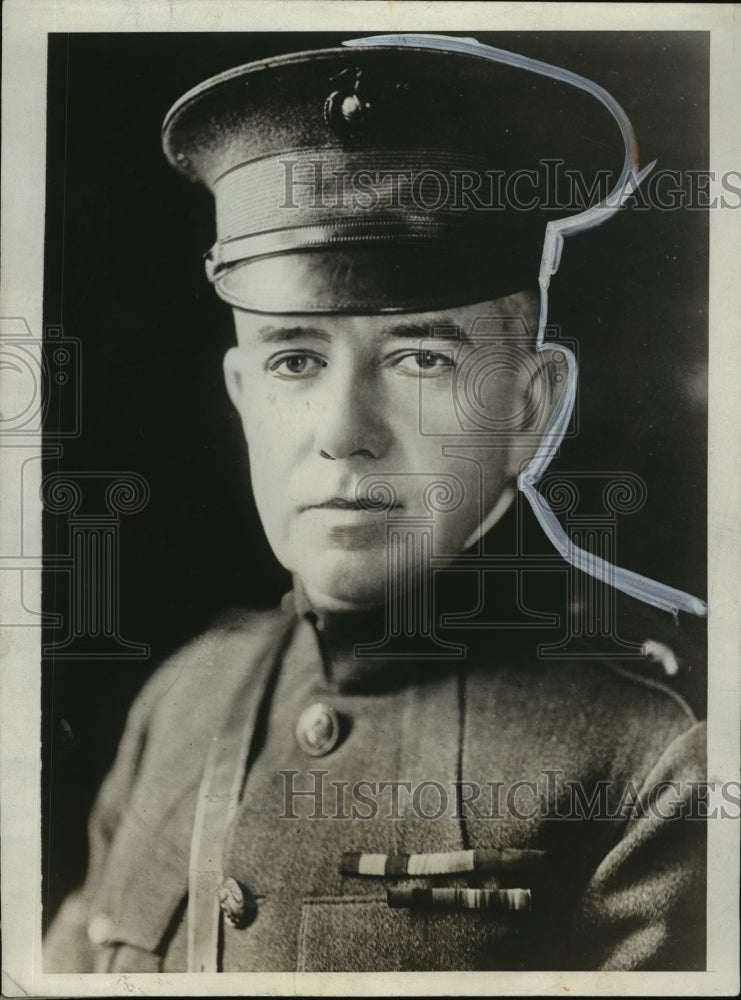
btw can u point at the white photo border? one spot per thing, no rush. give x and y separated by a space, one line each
25 29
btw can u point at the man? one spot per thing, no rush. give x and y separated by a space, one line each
339 785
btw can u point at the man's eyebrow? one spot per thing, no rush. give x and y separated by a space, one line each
439 327
286 334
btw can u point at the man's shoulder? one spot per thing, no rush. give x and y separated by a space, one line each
197 682
615 690
592 716
231 635
605 684
628 709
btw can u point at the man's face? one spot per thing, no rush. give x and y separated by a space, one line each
429 414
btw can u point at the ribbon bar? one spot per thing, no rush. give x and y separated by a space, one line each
460 899
442 863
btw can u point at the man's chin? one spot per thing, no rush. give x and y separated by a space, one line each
344 588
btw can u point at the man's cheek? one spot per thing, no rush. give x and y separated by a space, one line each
261 429
270 417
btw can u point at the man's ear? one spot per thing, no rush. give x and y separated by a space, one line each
233 377
545 385
541 392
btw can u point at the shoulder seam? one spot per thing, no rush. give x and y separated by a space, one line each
654 685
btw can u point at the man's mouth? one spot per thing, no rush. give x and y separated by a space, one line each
361 503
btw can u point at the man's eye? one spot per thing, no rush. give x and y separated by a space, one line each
426 363
295 366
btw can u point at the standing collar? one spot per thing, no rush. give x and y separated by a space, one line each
344 640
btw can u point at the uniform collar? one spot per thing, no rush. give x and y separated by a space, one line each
346 644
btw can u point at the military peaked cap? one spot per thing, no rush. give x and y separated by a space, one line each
386 178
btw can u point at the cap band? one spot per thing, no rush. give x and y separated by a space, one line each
322 198
325 186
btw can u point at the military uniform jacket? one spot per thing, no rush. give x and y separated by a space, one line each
554 794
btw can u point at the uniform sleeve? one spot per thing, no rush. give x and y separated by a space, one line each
67 945
644 906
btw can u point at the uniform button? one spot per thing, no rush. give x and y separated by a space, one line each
236 903
100 929
318 729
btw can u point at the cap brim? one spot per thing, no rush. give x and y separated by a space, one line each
368 281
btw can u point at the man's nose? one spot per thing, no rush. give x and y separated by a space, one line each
350 421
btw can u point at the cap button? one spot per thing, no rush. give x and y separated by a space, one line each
236 904
318 729
100 929
352 107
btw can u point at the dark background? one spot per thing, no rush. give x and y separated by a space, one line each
124 275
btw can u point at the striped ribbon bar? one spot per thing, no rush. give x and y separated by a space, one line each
442 863
460 899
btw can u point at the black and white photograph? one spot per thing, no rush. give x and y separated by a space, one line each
370 560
